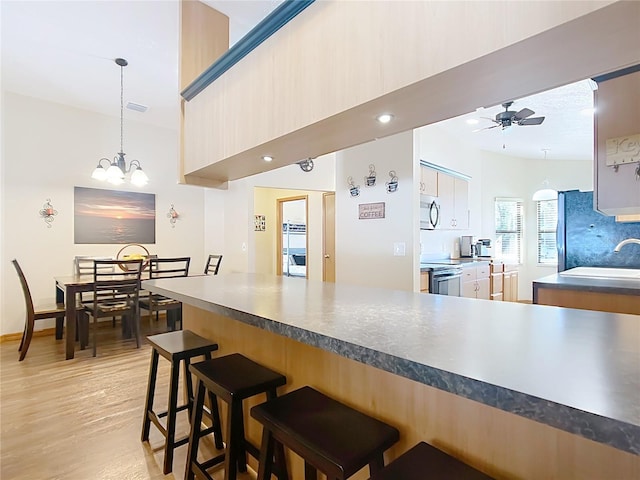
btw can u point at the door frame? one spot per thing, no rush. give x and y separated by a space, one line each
279 203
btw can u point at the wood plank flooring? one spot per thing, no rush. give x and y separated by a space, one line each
81 419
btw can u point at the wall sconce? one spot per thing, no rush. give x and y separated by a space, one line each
172 215
47 212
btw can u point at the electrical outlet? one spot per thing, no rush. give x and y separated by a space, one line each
244 247
399 249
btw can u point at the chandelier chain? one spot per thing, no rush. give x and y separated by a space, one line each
121 108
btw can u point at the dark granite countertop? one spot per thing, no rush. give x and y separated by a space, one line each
605 285
575 370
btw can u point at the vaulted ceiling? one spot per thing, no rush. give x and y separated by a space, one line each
63 52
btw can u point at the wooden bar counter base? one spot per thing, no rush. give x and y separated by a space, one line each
517 391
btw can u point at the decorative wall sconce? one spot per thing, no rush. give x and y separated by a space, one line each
47 212
392 185
354 190
173 216
370 180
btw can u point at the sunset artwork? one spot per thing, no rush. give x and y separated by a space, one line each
111 216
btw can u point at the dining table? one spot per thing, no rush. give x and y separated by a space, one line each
67 287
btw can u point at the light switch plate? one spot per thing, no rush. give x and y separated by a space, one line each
399 249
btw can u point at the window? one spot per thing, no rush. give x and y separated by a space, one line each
509 221
547 221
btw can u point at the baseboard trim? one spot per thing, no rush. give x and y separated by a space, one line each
45 332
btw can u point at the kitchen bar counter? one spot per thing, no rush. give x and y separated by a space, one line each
589 293
587 284
575 370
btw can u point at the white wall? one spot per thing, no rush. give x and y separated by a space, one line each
365 248
229 222
495 175
47 150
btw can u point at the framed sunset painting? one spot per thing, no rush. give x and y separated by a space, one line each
111 216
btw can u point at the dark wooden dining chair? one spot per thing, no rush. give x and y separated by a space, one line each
153 302
56 311
213 265
116 293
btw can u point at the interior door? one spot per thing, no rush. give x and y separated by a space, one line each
329 237
292 243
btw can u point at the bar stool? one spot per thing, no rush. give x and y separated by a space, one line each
328 435
425 462
178 346
233 378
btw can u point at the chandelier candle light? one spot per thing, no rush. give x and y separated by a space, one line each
118 168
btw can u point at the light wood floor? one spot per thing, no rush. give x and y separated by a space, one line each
81 419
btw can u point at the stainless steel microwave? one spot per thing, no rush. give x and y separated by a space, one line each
429 213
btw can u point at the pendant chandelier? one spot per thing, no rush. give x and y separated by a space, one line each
115 172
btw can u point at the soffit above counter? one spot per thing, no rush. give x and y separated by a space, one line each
222 143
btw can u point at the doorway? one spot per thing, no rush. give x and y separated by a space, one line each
329 237
292 242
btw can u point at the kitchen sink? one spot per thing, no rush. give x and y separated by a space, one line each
597 272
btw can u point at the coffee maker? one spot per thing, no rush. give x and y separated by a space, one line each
483 248
467 246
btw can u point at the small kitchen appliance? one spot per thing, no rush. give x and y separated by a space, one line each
483 248
467 246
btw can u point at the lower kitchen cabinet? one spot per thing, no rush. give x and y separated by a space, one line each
497 283
424 282
475 281
510 283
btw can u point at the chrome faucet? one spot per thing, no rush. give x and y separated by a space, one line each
626 242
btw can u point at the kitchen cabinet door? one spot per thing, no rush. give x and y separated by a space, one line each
482 289
453 196
428 181
461 204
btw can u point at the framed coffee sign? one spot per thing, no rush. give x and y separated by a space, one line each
370 210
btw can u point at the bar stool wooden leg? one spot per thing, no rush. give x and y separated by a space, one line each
215 419
151 388
376 465
266 454
234 437
194 435
310 472
171 418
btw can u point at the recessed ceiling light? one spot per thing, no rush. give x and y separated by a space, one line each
385 118
267 158
588 111
472 121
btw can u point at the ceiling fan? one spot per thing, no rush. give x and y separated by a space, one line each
510 117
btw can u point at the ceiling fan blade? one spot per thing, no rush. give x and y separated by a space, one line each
531 121
524 113
485 128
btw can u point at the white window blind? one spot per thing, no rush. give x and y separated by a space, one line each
547 221
509 222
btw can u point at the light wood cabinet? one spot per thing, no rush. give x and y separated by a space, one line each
497 281
510 283
428 181
424 282
453 196
475 282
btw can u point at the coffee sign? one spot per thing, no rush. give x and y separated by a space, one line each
368 211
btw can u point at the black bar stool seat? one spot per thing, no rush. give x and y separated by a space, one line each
176 347
231 378
328 435
425 462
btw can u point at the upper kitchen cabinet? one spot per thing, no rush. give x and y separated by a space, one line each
617 134
453 196
428 181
